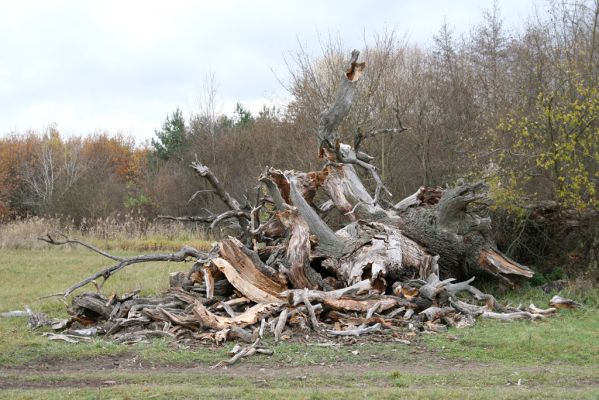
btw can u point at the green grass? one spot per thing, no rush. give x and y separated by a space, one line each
27 275
557 358
570 337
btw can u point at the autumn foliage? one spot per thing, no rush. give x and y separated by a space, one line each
48 174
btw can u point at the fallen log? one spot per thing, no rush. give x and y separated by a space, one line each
460 237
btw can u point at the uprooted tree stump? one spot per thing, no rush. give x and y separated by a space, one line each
388 270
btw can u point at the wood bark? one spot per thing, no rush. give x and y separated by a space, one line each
462 238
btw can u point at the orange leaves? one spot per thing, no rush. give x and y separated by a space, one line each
40 171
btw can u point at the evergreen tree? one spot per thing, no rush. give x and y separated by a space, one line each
242 116
171 136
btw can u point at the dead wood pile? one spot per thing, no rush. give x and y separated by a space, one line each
317 255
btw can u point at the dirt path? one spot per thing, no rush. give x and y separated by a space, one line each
128 365
129 368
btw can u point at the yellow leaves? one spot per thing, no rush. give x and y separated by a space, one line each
559 142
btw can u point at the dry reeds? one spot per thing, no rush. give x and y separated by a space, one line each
121 231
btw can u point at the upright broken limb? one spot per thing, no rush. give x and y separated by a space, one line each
234 207
338 110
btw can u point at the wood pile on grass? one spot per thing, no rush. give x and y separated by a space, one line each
317 258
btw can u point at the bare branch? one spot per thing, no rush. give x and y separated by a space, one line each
49 239
361 330
205 172
189 218
180 256
240 215
193 196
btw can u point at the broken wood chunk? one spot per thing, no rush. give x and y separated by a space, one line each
249 317
91 306
561 302
435 313
498 263
357 331
251 283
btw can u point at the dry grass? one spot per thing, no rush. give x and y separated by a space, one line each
120 232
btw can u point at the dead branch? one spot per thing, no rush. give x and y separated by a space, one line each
357 331
239 352
16 313
180 256
49 239
189 218
360 137
310 309
205 172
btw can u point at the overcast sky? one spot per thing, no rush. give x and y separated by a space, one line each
121 66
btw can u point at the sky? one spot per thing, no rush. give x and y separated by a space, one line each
121 66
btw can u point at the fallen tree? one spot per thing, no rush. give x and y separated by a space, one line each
384 270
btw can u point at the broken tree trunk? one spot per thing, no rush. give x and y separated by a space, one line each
453 230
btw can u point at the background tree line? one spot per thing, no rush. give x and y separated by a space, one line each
518 108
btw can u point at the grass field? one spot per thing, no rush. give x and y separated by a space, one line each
553 359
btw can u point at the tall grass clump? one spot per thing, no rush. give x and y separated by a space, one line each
129 231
